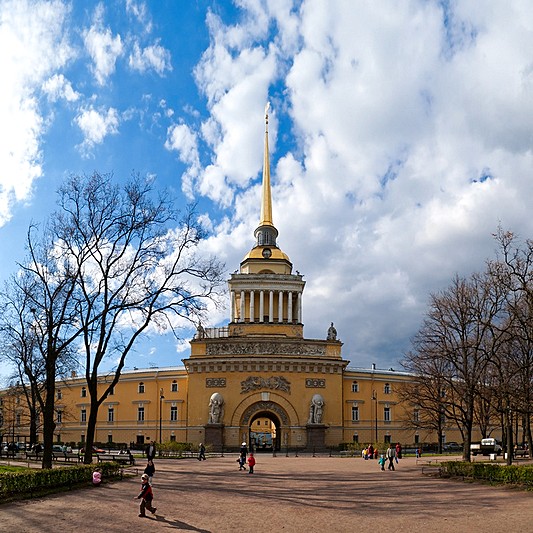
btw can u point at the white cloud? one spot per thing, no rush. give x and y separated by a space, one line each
102 46
95 126
34 44
58 87
414 131
152 57
140 12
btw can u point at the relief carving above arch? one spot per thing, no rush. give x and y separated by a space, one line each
265 406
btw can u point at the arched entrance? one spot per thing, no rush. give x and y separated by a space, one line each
264 431
266 422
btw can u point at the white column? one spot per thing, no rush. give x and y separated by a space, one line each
252 306
289 312
271 307
280 306
232 301
242 307
261 305
299 307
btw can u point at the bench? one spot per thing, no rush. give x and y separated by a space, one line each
121 458
34 456
521 453
65 456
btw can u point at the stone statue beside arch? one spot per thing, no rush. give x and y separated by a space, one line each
316 409
216 406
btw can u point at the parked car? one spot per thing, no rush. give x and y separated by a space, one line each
95 450
491 446
452 447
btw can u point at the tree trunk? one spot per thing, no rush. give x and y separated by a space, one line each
91 428
49 424
509 434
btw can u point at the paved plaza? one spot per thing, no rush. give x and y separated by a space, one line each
292 494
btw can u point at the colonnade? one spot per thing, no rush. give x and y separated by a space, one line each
287 303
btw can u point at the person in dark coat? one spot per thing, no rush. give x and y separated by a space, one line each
201 452
150 451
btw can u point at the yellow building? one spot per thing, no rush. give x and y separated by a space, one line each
258 378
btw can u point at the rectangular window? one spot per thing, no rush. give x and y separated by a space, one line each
386 414
112 391
417 439
416 415
174 387
140 414
83 416
59 394
59 417
173 413
172 438
355 414
110 414
355 386
83 392
110 438
17 419
387 439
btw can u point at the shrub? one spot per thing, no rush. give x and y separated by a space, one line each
492 472
33 481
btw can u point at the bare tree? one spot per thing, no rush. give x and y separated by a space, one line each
513 270
43 294
18 348
455 344
135 266
424 394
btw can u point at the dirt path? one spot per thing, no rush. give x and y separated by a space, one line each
293 494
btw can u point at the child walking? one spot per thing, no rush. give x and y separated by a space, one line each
146 495
251 463
382 462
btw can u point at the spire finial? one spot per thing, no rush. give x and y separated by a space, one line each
267 109
266 204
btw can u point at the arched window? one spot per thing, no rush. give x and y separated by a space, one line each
355 386
141 388
386 388
83 392
174 386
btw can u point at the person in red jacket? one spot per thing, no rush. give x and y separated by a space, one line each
146 495
251 463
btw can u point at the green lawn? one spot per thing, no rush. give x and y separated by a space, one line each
5 468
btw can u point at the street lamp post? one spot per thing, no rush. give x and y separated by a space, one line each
375 399
161 398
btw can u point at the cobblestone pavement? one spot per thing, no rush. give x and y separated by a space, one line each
292 494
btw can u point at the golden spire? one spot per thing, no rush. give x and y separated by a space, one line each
266 204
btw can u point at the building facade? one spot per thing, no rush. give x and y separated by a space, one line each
258 379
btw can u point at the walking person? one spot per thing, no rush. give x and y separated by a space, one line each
150 451
391 455
150 471
146 496
382 462
398 451
201 452
251 463
243 453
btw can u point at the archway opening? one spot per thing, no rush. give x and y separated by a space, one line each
264 432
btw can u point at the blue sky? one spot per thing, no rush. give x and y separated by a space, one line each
400 138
